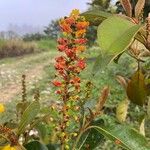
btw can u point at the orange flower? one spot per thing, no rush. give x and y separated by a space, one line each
76 82
80 33
70 20
80 41
82 25
65 27
70 53
62 41
81 48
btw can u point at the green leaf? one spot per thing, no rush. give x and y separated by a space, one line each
101 62
53 146
136 89
95 17
124 136
35 145
91 137
42 130
148 108
115 35
29 114
3 141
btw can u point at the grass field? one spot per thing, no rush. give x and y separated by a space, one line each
39 71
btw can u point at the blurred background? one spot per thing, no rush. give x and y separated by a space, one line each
28 35
31 16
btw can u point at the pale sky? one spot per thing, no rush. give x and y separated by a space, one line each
36 12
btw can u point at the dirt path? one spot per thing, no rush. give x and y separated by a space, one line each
7 93
12 88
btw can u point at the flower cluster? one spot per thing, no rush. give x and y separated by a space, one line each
69 65
71 44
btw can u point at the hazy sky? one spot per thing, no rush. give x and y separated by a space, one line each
36 12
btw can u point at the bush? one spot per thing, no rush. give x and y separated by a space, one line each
33 37
12 48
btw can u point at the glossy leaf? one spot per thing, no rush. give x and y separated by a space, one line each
29 114
95 17
136 89
115 35
124 136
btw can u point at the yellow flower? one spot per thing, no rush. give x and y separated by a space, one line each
75 13
8 147
80 33
81 48
2 108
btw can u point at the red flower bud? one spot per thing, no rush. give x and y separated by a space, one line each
62 41
57 83
58 92
80 41
61 48
81 64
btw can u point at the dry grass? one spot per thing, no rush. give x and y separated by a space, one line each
16 47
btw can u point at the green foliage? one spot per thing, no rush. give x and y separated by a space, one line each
33 37
124 136
115 35
95 17
116 29
101 62
29 114
46 44
52 30
35 145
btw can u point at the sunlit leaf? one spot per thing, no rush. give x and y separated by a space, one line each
115 35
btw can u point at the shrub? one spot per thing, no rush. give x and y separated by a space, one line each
33 37
17 47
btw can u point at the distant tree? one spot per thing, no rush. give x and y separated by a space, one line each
53 29
33 37
11 34
100 4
